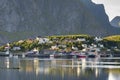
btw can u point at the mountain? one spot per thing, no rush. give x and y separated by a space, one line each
20 19
116 22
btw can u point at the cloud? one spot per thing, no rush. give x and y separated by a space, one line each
112 7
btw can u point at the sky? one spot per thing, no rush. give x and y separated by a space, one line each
112 7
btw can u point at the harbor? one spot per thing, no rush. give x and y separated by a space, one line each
59 69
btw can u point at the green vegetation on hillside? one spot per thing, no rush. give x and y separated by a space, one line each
113 38
112 41
63 37
63 42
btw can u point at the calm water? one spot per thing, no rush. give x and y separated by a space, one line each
58 69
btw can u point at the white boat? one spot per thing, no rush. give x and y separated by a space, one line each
4 53
51 55
33 52
92 53
82 55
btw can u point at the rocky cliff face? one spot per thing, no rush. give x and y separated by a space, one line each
52 17
116 22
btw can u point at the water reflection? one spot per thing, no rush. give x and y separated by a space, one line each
7 63
114 74
55 69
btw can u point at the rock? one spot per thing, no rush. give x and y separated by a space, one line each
20 19
116 22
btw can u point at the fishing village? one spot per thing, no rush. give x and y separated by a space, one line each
69 46
63 55
57 56
59 39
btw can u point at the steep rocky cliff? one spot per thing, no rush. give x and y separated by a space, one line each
21 19
116 22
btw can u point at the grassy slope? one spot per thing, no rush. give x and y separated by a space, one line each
75 35
113 38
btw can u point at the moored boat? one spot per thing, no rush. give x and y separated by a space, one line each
92 53
33 53
4 53
81 55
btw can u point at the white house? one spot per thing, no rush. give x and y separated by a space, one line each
20 41
98 39
81 39
16 48
42 40
74 48
54 47
84 45
64 46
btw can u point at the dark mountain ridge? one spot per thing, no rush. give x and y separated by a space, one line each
28 18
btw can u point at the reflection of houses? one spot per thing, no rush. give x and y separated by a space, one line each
34 66
27 65
114 74
30 65
10 63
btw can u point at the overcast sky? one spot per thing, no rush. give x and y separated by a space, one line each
112 7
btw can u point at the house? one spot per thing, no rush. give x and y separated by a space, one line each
16 48
74 48
62 45
101 45
84 45
98 39
20 41
54 47
42 40
81 39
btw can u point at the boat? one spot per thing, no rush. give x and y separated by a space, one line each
73 54
81 55
4 53
35 53
106 55
51 55
92 53
32 53
78 54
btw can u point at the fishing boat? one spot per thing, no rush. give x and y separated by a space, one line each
33 53
92 53
81 55
4 53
